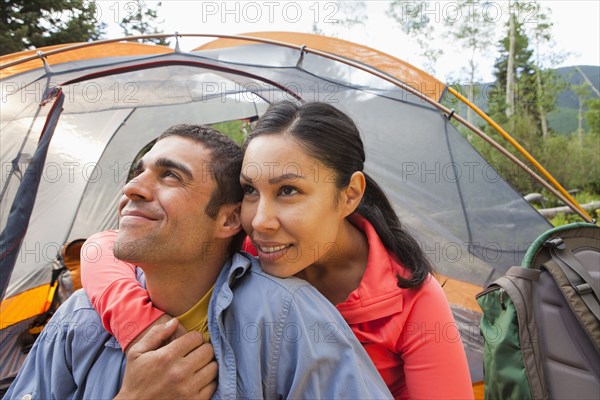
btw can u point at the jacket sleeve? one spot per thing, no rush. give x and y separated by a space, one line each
123 304
248 247
320 357
432 349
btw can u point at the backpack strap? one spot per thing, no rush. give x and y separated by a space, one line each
576 273
525 273
517 284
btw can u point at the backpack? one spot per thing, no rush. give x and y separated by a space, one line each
541 321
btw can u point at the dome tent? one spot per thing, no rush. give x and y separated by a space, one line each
73 118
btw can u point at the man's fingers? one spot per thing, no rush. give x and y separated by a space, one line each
208 390
185 344
207 374
155 338
179 332
199 357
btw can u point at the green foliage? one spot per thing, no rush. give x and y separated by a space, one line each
143 20
237 130
582 198
37 23
575 166
592 117
524 87
563 120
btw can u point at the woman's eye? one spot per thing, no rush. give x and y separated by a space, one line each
288 191
248 190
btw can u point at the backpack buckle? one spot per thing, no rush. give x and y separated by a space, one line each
582 289
555 243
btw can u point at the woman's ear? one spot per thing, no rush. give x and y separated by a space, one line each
354 192
228 221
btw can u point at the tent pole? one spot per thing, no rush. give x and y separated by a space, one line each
516 144
568 200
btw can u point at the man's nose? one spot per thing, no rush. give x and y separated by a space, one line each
139 188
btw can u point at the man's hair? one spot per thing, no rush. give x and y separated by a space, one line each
225 164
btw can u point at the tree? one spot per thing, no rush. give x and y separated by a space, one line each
592 116
345 14
414 20
26 24
582 92
548 83
473 31
514 72
143 20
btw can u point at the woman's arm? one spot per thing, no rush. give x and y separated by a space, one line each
435 364
123 304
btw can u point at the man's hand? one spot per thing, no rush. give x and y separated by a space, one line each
163 319
182 369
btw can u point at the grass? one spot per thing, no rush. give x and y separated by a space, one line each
582 198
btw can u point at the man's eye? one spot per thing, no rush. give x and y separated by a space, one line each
171 174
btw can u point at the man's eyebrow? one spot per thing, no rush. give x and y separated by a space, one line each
168 163
139 166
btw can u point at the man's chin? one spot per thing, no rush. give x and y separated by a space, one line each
127 248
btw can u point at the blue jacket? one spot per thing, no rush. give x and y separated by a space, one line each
273 338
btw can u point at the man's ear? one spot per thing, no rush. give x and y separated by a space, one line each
353 193
228 221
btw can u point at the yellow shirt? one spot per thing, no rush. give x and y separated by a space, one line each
196 318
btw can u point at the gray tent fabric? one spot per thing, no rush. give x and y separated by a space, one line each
13 233
472 224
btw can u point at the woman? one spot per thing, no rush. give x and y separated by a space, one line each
310 211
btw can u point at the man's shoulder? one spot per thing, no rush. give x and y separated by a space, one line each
254 277
78 301
76 318
252 288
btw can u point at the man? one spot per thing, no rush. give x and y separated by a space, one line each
179 220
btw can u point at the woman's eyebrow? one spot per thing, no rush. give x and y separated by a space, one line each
274 180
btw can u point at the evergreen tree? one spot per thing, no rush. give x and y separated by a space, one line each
523 70
26 24
473 31
592 117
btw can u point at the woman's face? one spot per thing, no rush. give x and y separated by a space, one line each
290 207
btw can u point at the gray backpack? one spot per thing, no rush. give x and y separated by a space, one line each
541 321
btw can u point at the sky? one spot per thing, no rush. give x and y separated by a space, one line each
575 30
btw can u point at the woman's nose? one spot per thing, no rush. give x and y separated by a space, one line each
265 218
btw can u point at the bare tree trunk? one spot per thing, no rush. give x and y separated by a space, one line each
580 122
540 97
510 69
471 94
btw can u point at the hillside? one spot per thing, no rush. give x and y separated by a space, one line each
563 119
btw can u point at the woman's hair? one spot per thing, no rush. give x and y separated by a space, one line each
331 137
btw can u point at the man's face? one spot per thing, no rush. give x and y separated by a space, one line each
162 217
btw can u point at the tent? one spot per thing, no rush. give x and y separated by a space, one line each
73 117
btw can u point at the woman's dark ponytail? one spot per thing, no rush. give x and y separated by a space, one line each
376 208
332 137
